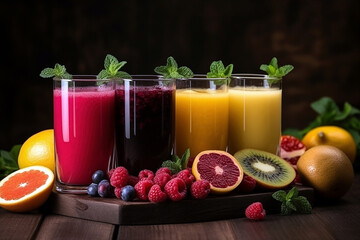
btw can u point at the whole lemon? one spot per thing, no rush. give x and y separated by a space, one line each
334 136
327 169
38 150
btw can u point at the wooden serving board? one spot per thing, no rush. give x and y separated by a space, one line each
116 211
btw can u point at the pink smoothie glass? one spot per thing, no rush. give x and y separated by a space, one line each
83 130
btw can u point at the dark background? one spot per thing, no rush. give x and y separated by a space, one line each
320 38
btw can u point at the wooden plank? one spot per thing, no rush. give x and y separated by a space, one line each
209 230
61 227
19 225
115 211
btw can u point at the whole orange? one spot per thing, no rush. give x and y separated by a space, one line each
38 150
327 169
334 136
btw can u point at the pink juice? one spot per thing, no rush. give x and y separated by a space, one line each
84 132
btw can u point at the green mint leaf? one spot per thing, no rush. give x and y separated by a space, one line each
47 73
279 195
218 70
185 158
228 70
324 105
290 205
273 69
109 60
294 192
112 67
185 72
302 205
174 168
285 210
217 67
274 63
171 70
58 71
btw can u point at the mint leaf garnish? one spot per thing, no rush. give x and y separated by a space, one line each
58 71
171 70
218 70
273 70
112 67
177 164
292 202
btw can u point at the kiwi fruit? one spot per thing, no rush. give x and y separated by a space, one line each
268 170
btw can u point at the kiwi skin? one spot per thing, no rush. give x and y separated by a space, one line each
285 178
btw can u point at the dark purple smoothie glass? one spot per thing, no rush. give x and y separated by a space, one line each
144 122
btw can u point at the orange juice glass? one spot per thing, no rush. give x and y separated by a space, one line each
201 115
254 113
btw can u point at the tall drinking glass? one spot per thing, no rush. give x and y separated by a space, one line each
83 130
254 113
201 114
145 108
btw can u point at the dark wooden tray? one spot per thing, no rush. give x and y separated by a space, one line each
116 211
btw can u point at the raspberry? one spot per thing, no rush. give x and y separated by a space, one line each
161 179
142 189
200 189
255 211
146 174
175 189
163 170
119 178
186 176
156 194
117 192
247 185
132 180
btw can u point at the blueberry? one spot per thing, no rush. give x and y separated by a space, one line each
128 193
92 189
105 189
98 176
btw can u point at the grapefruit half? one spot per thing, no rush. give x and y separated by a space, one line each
26 189
220 169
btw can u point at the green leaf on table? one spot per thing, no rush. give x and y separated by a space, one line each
177 164
171 70
58 71
292 202
9 161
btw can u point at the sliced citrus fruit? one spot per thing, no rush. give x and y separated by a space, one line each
26 189
220 168
38 150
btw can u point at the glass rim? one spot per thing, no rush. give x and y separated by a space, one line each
82 78
146 77
202 77
254 76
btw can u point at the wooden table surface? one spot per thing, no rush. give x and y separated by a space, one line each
329 220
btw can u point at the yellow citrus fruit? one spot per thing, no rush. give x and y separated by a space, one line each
334 136
38 150
221 169
26 189
327 169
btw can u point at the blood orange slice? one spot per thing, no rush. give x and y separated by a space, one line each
26 189
220 168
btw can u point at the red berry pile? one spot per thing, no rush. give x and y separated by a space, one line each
159 186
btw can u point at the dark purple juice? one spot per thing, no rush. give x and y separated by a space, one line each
144 126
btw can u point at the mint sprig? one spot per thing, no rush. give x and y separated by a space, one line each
58 71
171 70
112 67
292 202
273 70
218 70
177 164
9 161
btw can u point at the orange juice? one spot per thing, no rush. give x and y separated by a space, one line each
254 118
201 120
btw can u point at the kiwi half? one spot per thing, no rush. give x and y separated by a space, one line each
268 170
